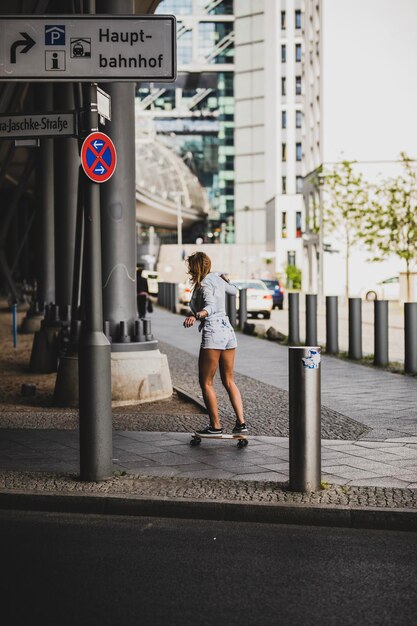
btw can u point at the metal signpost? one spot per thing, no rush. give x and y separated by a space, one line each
88 48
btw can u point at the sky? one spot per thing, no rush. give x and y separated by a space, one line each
369 86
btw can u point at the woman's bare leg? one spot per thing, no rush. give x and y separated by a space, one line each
208 363
227 361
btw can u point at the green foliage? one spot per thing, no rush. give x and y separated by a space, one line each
345 199
293 277
391 222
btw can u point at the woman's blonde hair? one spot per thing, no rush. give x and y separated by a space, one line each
199 265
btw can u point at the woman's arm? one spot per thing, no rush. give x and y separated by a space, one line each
229 288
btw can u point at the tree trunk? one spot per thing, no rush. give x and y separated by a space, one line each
347 271
408 279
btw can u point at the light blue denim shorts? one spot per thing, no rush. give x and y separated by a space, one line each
218 334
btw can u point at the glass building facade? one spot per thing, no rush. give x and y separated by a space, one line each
195 115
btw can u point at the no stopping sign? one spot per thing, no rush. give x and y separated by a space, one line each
98 157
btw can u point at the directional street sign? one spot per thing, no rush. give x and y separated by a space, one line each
88 48
98 157
42 124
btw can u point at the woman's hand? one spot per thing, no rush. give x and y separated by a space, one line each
189 321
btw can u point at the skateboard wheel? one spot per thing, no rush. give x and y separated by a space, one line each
242 443
195 441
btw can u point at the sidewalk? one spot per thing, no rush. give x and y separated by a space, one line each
369 448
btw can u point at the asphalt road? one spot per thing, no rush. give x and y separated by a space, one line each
101 570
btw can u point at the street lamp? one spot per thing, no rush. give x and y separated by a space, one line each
178 195
246 209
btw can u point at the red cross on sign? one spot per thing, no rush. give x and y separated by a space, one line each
98 157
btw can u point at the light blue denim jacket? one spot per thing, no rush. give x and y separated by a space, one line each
211 296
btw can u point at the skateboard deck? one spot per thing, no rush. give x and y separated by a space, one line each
242 440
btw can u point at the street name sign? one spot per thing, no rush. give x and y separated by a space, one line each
98 157
35 125
88 48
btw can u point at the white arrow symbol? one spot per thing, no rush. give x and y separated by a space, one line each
98 144
99 171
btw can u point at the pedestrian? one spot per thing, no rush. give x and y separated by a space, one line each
218 341
142 291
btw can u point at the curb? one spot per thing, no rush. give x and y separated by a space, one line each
219 510
186 395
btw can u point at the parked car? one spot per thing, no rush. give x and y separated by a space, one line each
388 289
277 292
259 298
184 293
152 278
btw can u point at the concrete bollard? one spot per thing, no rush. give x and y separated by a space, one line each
231 309
410 337
381 333
294 319
174 297
355 328
243 307
311 319
305 418
332 325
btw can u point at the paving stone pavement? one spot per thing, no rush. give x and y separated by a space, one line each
375 467
383 402
391 464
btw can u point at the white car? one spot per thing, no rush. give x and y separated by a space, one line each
259 298
388 289
184 293
152 278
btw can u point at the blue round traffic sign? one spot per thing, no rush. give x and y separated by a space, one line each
98 157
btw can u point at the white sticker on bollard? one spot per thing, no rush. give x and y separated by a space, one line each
312 360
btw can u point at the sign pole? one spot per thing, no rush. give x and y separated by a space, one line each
95 408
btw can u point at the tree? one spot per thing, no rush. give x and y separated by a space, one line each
345 198
391 223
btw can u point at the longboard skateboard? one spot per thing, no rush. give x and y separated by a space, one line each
242 440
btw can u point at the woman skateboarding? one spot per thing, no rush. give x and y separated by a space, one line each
218 341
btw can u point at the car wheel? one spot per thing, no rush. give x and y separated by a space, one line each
266 315
371 295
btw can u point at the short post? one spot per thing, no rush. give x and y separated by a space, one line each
243 307
14 325
294 319
355 328
410 337
174 297
305 418
381 333
332 325
231 309
311 319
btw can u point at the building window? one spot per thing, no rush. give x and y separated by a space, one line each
284 184
283 119
283 21
283 86
283 53
298 152
298 119
299 184
298 85
284 152
298 19
284 224
298 230
298 52
291 257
